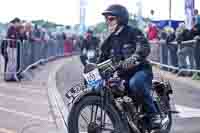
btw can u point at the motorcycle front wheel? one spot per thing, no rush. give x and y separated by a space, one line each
89 115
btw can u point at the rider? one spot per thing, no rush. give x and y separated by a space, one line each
90 42
130 48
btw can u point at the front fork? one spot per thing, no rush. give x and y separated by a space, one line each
105 98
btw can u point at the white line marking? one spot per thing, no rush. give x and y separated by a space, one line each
28 90
35 85
26 115
22 99
187 112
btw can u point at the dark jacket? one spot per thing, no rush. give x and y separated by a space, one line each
124 44
12 34
90 43
196 30
185 35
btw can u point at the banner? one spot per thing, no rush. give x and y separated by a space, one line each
189 13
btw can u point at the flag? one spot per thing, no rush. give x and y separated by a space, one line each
189 13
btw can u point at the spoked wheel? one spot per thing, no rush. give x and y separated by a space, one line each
89 115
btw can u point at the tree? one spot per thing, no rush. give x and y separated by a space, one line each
133 22
46 24
100 27
76 27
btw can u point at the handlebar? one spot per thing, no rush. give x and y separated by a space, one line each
106 66
104 63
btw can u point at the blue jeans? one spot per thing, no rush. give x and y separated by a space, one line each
182 54
197 56
173 58
141 83
164 55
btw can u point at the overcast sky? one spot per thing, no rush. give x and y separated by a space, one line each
67 11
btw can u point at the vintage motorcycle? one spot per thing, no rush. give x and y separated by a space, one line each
104 105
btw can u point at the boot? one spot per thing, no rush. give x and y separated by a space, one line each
155 121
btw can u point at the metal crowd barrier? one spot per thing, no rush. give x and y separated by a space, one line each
19 56
161 46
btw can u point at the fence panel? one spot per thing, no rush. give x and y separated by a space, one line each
19 55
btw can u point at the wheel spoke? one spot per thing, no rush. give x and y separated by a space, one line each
104 118
85 119
97 116
91 118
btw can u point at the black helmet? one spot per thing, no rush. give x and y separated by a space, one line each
118 10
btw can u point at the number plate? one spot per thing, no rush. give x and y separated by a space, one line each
73 92
93 78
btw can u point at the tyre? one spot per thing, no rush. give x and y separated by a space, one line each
105 115
165 108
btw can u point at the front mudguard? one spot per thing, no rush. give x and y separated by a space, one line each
85 94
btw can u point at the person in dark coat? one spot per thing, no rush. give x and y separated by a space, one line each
90 42
12 41
196 33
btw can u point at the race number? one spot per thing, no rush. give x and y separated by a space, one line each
93 78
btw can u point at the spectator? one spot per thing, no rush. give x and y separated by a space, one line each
184 52
29 31
172 50
164 37
13 32
44 35
22 33
152 32
89 43
79 41
196 17
180 29
67 44
196 32
37 34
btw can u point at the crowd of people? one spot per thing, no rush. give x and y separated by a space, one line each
22 32
178 55
173 55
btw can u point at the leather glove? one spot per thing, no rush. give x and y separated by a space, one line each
129 63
